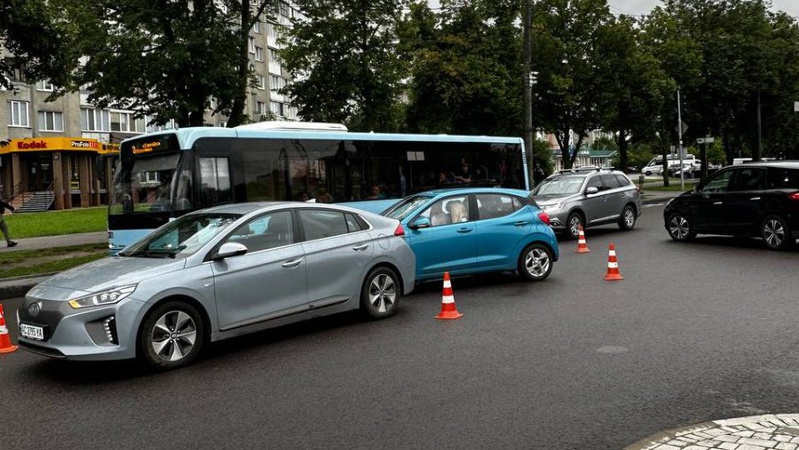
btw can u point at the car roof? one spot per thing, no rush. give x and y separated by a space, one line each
473 190
250 207
786 164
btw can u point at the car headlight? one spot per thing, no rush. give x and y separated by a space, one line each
554 207
108 297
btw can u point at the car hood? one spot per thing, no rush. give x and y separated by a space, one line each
106 273
546 200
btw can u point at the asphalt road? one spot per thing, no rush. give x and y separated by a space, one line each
694 332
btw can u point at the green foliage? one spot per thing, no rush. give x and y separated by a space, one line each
346 62
466 76
166 60
37 37
569 40
54 223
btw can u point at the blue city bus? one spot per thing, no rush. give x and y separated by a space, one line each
165 174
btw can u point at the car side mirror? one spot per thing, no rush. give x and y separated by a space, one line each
229 249
421 222
591 190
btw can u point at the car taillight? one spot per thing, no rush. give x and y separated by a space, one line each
399 231
544 217
794 196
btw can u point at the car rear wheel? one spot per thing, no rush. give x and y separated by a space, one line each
679 228
573 225
627 221
380 294
776 234
172 335
535 262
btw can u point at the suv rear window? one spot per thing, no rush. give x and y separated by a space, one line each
781 178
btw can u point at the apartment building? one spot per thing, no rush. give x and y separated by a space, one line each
64 150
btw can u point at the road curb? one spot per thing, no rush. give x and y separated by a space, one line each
18 287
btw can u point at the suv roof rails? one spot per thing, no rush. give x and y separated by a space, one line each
586 169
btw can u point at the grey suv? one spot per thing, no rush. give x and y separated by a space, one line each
587 197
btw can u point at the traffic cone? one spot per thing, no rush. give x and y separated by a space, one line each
448 311
582 247
613 265
5 338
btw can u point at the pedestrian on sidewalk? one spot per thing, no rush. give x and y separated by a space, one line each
3 226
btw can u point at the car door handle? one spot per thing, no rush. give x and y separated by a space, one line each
716 203
521 223
361 247
292 263
465 230
755 198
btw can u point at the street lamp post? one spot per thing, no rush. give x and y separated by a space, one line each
679 149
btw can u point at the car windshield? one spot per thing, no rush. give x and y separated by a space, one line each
560 185
406 207
181 237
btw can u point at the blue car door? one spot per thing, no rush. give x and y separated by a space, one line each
449 244
503 224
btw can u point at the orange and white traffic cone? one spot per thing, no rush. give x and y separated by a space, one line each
5 338
613 265
582 247
448 310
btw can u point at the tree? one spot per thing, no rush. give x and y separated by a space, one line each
345 61
37 37
466 76
568 59
635 87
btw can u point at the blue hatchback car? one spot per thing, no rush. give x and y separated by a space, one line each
474 230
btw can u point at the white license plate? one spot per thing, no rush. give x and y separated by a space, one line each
31 332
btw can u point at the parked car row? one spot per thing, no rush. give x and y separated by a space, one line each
230 270
235 269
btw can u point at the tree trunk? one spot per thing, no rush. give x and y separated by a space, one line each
622 142
237 116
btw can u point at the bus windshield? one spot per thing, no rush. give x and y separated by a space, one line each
144 185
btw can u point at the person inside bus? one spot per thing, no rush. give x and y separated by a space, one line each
376 194
446 178
464 174
323 196
127 204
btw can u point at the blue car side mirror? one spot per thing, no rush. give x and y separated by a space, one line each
421 222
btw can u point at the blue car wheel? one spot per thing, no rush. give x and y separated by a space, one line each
535 262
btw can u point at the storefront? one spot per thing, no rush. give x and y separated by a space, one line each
77 171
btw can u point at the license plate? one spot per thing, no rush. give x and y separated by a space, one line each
31 332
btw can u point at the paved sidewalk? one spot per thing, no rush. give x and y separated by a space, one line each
771 431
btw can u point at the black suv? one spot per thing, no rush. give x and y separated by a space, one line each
752 199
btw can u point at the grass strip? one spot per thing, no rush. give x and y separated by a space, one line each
50 266
55 223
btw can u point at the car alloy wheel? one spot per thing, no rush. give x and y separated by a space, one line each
680 228
172 335
381 293
775 233
535 263
627 218
574 223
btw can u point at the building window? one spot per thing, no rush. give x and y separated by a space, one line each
251 44
45 85
260 108
256 27
95 120
125 122
261 82
18 114
272 30
276 108
51 121
259 54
